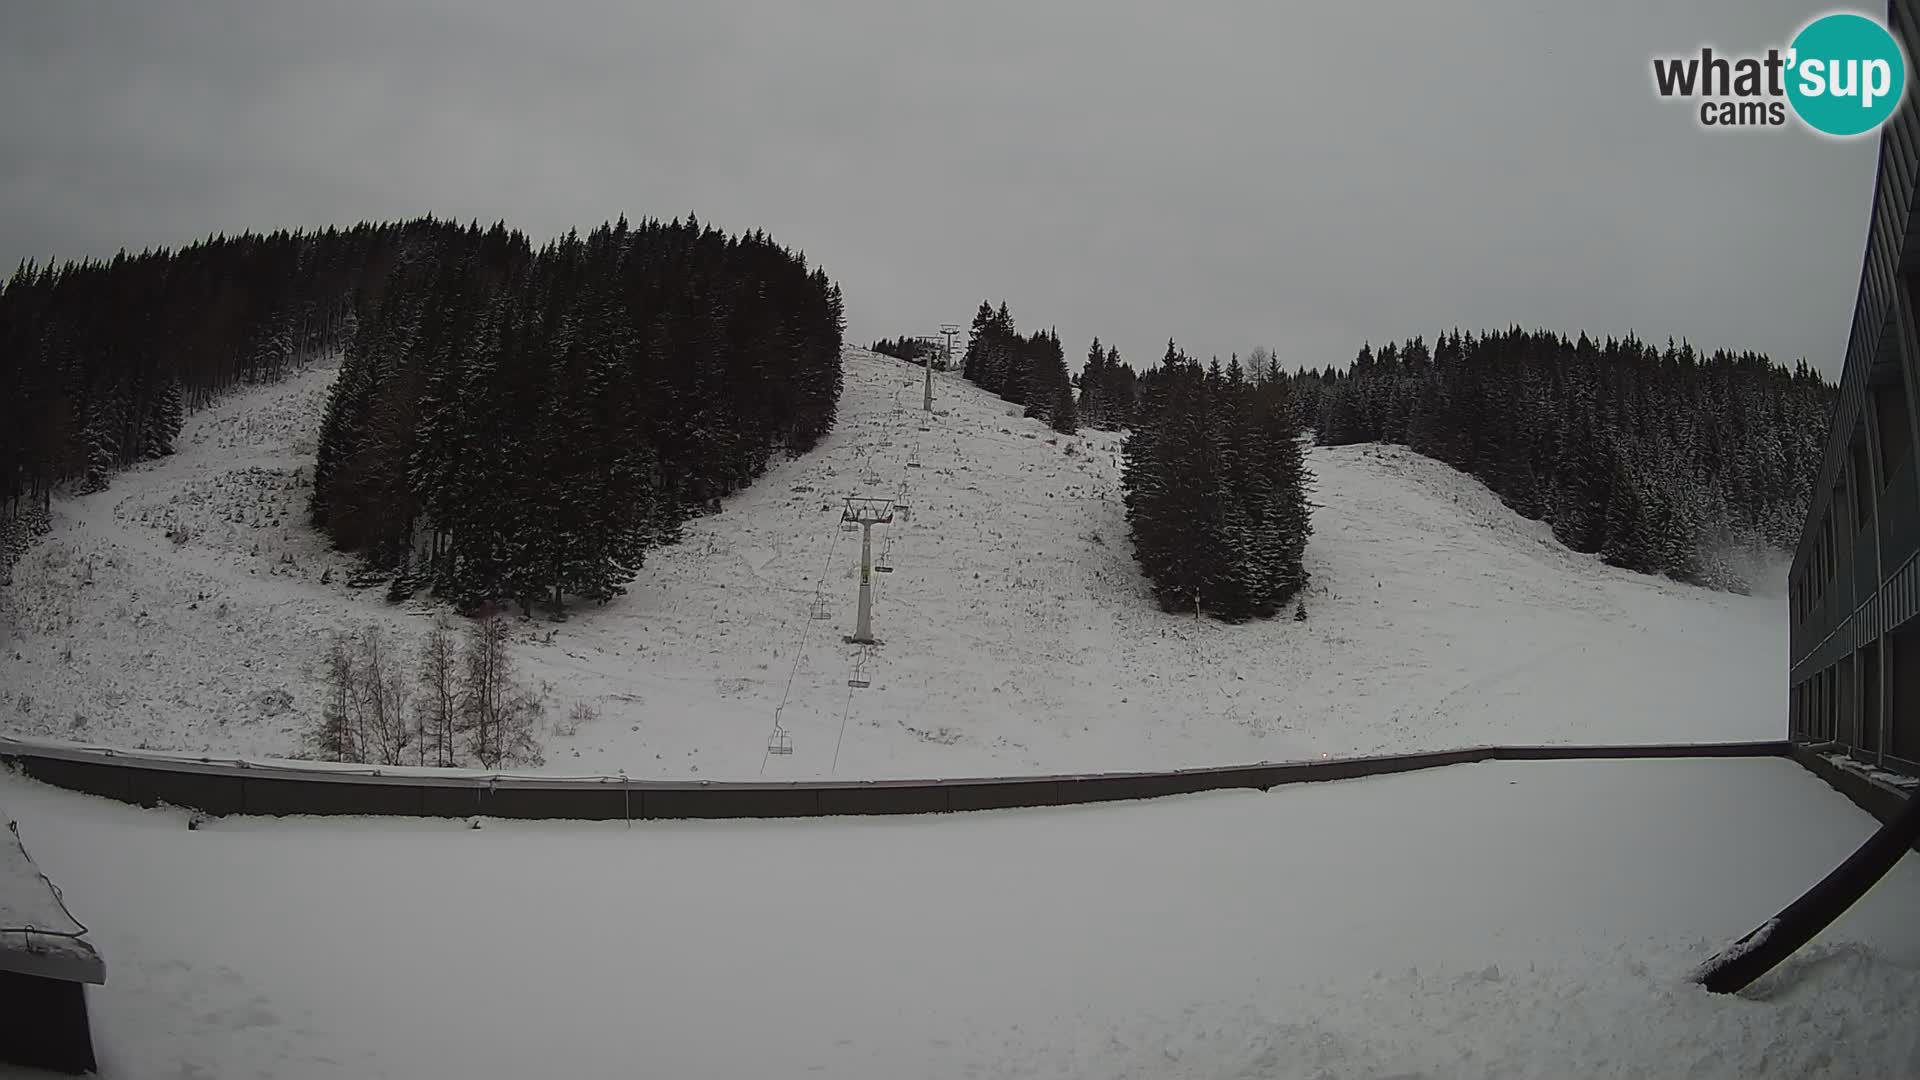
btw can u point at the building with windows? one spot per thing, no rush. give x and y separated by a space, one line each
1855 585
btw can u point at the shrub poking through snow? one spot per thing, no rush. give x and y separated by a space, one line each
458 704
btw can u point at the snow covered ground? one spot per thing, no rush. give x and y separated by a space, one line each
1496 920
186 607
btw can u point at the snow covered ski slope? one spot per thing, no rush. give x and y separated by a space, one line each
186 608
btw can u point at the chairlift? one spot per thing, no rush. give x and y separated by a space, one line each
858 683
820 609
780 742
913 460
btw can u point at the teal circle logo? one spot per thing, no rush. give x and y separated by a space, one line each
1846 74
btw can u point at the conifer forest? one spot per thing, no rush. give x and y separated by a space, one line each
508 424
1665 461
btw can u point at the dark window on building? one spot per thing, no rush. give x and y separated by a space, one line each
1830 723
1846 720
1896 429
1821 569
1862 485
1869 723
1903 663
1822 705
1826 542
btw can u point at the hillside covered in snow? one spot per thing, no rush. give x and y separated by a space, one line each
188 607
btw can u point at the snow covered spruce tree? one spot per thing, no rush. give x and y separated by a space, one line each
1025 370
1659 460
911 349
1107 389
521 426
1215 489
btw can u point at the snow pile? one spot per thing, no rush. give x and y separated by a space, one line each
1502 919
186 608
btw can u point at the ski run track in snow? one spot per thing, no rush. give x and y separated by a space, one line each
187 608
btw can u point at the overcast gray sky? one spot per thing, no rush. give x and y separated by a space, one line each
1226 172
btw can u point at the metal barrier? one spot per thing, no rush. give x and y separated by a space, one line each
233 786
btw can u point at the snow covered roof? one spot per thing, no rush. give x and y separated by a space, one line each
38 935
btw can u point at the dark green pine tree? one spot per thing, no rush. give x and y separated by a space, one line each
1005 364
1094 409
1236 581
1629 540
1171 485
1063 415
973 362
1279 490
1120 392
164 420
